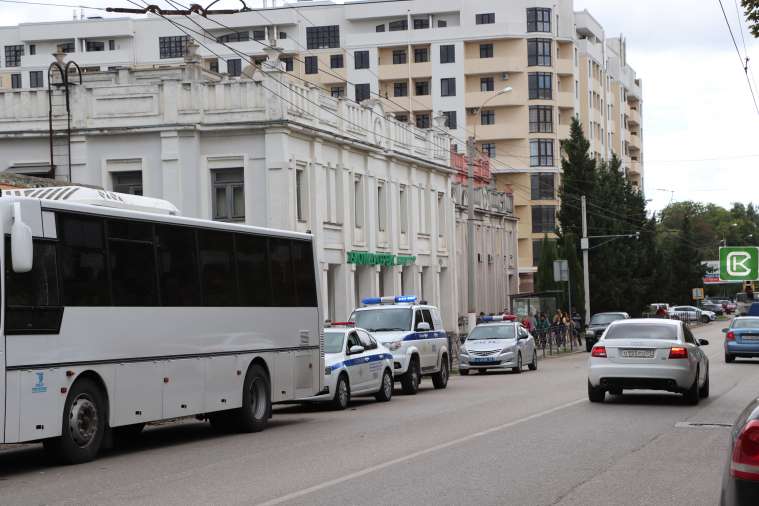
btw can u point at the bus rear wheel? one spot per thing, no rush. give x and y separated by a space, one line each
83 424
256 401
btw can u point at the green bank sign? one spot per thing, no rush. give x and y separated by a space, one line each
739 263
387 259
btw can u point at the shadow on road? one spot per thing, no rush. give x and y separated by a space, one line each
649 399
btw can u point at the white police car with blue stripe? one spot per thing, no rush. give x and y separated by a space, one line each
413 332
355 364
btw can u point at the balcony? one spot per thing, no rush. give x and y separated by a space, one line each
634 168
565 66
517 96
394 72
508 130
563 131
105 58
493 65
566 99
634 116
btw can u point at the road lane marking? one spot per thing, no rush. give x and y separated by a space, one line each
411 456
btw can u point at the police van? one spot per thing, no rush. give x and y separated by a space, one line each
415 335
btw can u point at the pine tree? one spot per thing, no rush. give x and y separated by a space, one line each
544 277
578 178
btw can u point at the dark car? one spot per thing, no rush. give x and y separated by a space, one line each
740 481
715 308
598 324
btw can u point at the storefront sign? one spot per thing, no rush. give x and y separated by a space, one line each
386 259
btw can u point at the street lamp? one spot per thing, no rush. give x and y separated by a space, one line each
471 265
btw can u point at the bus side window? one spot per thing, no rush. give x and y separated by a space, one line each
132 263
81 255
281 269
38 287
305 281
177 266
253 270
217 268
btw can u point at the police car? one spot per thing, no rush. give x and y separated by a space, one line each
498 343
413 332
355 365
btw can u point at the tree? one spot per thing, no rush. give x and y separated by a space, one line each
685 264
568 248
578 178
544 277
752 15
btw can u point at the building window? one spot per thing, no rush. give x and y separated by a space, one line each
403 201
487 117
538 19
235 37
421 55
541 119
540 85
400 89
228 194
13 55
543 219
301 195
288 61
362 92
111 45
94 46
539 52
381 207
258 35
401 118
172 47
448 87
542 186
361 59
485 19
486 84
127 182
336 61
421 24
358 201
488 148
422 88
32 49
322 37
379 28
450 119
337 91
15 80
399 56
66 47
312 64
234 67
541 152
448 53
442 23
398 26
486 50
282 35
422 120
35 79
440 214
213 65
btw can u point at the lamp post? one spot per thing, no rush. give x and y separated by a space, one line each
471 264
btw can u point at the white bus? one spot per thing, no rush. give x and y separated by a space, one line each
117 312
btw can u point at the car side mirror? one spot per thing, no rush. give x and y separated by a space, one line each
703 342
423 326
725 330
522 336
356 349
22 250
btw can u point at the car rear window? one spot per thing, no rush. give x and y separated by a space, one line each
642 331
745 323
605 318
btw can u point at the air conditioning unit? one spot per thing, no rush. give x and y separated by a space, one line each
505 76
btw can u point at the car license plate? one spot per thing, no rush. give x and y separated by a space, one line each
751 338
638 353
482 360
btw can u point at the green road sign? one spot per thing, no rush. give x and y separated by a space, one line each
739 263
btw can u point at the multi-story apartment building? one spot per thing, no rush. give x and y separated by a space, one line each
511 73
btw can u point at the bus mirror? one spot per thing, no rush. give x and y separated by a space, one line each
22 253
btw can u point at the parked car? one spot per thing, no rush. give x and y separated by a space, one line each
740 481
498 344
598 323
728 305
355 364
654 307
692 314
648 354
717 309
742 338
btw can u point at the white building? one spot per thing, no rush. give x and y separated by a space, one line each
376 193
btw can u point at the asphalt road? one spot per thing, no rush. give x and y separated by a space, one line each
528 439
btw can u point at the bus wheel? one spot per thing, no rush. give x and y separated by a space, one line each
256 401
83 427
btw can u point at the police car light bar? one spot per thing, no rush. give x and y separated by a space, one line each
398 299
508 318
342 324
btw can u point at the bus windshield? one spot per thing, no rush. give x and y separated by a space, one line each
383 320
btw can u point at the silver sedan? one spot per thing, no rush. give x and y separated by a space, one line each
648 354
495 346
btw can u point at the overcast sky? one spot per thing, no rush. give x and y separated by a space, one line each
700 127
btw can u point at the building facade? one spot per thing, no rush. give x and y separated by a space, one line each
377 194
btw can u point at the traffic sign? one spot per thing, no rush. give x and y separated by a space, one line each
560 270
698 294
739 263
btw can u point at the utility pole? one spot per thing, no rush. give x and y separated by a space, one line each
584 244
471 265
